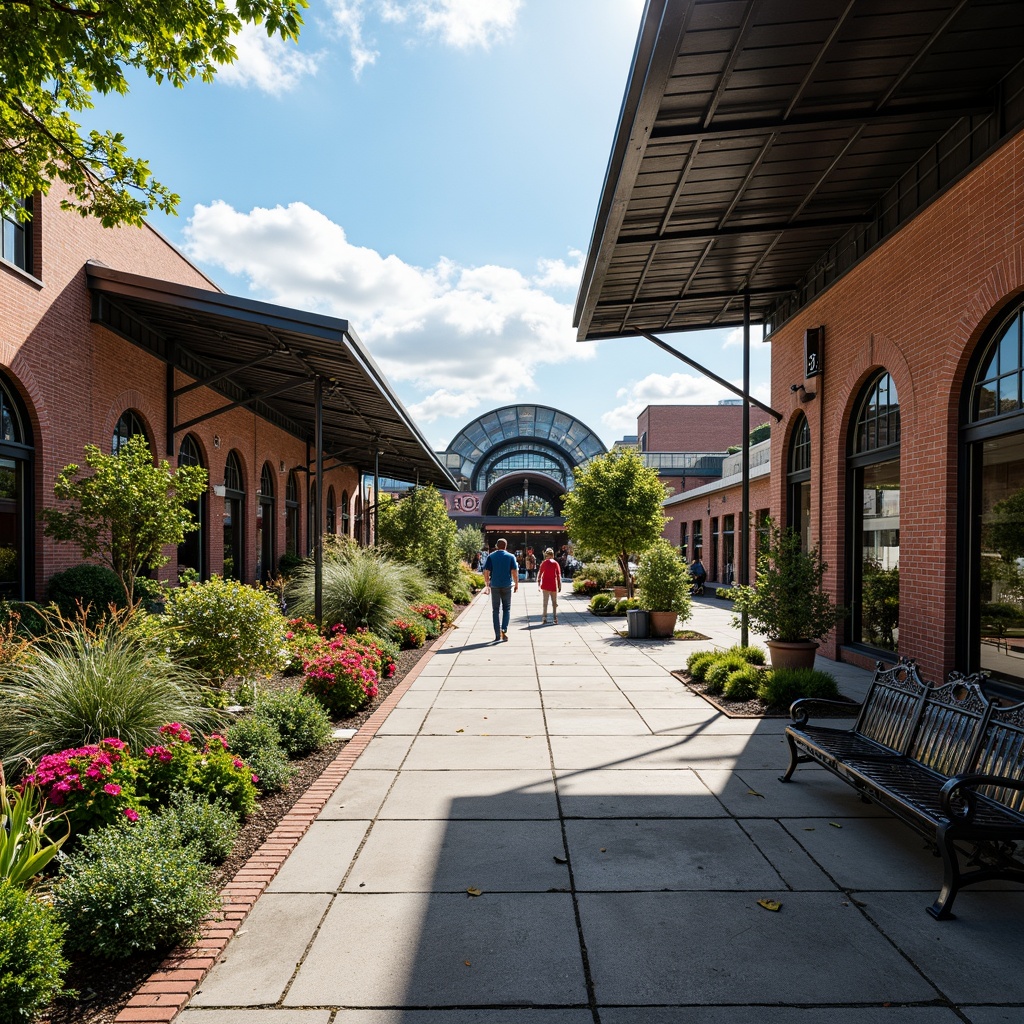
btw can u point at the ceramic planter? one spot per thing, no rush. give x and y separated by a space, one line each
792 654
663 623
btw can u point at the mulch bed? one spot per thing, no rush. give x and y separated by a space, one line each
757 708
104 987
679 634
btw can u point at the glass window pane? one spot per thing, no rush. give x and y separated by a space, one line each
1008 398
879 527
1009 352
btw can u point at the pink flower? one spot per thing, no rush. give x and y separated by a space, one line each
131 815
112 788
255 778
239 764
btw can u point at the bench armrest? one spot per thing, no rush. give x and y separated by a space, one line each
799 710
961 788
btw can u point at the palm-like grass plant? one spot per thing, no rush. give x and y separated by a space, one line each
362 588
81 684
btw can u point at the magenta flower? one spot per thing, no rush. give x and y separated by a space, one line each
131 815
112 788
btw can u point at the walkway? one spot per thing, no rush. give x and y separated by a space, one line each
557 823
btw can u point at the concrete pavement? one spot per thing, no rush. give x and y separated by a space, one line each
619 832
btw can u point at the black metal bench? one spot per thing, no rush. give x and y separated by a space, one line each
943 759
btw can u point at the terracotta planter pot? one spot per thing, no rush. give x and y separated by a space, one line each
620 593
663 623
794 654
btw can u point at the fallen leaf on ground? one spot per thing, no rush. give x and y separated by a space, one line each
474 891
808 829
561 860
460 730
835 824
467 963
770 904
603 850
754 792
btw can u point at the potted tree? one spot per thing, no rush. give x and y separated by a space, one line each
663 581
789 606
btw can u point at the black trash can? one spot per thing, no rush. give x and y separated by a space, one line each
638 624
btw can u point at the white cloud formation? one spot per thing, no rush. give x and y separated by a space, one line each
462 24
267 63
559 274
670 389
348 17
758 346
460 334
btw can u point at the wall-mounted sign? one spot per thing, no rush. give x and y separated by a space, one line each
814 350
466 503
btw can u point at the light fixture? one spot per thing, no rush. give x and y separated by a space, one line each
220 490
281 468
216 440
805 395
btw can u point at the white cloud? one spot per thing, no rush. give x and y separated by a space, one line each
670 389
559 274
458 334
758 345
348 17
444 403
267 63
462 24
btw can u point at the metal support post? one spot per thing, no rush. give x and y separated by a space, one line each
318 533
745 456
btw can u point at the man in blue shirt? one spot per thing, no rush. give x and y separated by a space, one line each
501 576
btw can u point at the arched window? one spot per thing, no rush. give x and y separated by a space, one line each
234 518
345 518
291 515
266 513
873 467
126 427
192 550
798 482
16 489
330 521
360 525
990 579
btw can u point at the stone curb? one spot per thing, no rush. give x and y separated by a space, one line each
171 985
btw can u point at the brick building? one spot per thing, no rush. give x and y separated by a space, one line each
109 333
851 177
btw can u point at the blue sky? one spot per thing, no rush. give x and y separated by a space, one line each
430 171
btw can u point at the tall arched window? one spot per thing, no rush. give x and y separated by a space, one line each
873 466
330 520
291 515
798 482
16 512
990 579
265 523
192 550
126 427
234 518
345 518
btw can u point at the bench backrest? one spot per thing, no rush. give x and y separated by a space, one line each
1001 752
950 726
892 705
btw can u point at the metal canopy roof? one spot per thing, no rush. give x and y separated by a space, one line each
266 358
768 145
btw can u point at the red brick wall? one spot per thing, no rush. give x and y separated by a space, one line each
76 378
917 307
694 428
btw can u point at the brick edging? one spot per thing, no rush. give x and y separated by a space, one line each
170 986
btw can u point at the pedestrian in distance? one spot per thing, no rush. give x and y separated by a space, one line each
531 565
501 580
549 579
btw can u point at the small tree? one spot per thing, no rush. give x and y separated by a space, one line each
127 511
468 541
418 529
615 508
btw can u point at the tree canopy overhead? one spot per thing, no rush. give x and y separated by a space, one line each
615 507
56 56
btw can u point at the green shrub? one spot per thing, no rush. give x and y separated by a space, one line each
444 602
584 585
663 580
344 676
604 573
744 683
409 630
256 740
751 655
462 595
226 628
717 673
626 604
86 585
32 964
602 604
79 685
206 825
430 616
781 686
301 640
127 890
301 722
383 653
699 662
287 564
25 847
210 769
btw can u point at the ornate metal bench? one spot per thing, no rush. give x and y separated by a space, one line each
943 759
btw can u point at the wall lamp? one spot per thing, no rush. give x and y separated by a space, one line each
805 396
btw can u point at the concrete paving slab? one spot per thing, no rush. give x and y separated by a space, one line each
662 855
664 697
464 753
491 681
484 721
521 949
323 856
972 959
562 671
596 722
385 752
359 796
658 681
488 698
427 683
586 699
513 1016
488 668
451 856
403 721
722 948
814 793
260 960
779 1015
472 794
419 699
787 856
685 721
250 1016
650 793
994 1014
668 752
591 684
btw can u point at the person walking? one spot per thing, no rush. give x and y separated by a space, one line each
549 579
531 565
501 580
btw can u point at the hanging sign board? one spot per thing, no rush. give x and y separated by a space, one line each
814 348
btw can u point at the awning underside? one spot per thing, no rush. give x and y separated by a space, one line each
266 358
